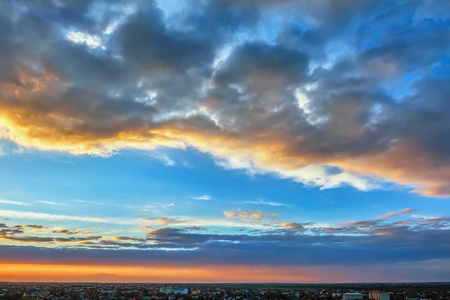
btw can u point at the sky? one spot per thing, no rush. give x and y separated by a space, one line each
225 141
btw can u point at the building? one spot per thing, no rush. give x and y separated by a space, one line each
166 290
180 290
353 296
377 295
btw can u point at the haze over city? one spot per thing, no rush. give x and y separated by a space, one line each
225 141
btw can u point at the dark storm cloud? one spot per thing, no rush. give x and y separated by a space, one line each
269 86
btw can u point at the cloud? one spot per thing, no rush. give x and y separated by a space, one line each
379 227
78 37
263 202
56 217
28 239
176 236
127 238
305 102
259 216
69 232
196 223
164 221
250 215
15 234
90 202
300 227
394 243
363 223
6 231
203 197
163 157
50 202
191 222
396 213
35 227
351 227
375 243
3 201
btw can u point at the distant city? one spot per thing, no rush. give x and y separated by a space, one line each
225 149
97 291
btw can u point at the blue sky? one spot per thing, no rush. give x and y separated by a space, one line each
280 137
138 179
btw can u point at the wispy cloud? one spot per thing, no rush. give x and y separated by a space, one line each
56 217
269 203
203 197
396 213
164 221
50 202
163 157
90 202
13 202
157 206
195 222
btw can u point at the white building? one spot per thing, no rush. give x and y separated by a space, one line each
353 296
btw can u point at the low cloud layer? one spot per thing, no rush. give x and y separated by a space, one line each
305 91
360 243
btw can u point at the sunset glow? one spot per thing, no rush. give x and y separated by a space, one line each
92 273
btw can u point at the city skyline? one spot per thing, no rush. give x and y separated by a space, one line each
225 141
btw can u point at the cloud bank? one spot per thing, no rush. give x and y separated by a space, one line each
359 243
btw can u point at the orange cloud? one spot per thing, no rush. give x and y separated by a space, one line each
249 215
396 213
